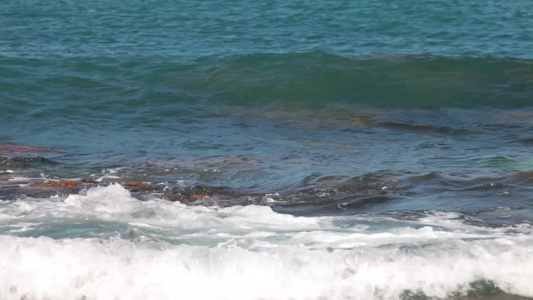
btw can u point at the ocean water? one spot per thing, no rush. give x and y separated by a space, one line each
266 150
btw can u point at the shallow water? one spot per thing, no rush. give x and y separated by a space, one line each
309 150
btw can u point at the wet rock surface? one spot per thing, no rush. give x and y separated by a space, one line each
11 188
15 184
6 148
36 173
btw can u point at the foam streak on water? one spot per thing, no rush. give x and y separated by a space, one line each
161 250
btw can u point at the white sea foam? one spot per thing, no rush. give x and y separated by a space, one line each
109 174
243 252
43 268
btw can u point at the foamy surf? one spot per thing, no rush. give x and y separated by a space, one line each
105 244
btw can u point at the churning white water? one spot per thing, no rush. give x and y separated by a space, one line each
104 244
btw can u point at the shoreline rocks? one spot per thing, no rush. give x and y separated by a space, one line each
14 185
6 148
38 188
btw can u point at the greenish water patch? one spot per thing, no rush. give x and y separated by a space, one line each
102 85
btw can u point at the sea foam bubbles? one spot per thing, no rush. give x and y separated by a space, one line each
161 250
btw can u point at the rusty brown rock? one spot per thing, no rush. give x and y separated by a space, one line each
185 198
199 196
136 184
11 148
5 178
89 181
66 183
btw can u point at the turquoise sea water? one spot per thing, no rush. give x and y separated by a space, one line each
350 149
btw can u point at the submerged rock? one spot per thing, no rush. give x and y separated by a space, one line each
142 185
83 180
37 188
12 148
66 183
